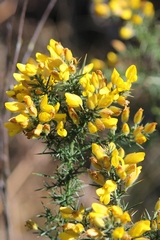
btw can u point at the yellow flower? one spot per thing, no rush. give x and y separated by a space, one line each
73 100
125 129
28 69
60 129
140 138
118 214
69 213
116 110
98 151
139 228
137 19
150 127
99 124
110 123
97 63
126 32
45 117
13 128
45 107
72 231
157 206
102 9
148 9
131 74
118 232
132 177
125 115
138 116
112 58
133 158
105 191
92 128
100 213
15 106
126 14
88 68
115 158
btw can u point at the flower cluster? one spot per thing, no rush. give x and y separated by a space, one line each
51 92
132 12
75 111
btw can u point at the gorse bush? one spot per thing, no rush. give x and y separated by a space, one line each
81 116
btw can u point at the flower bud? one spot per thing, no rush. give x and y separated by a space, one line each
125 129
97 164
92 128
150 127
125 115
157 206
138 116
96 177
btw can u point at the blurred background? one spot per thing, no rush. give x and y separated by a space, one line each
112 35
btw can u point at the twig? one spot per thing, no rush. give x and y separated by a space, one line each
19 39
38 30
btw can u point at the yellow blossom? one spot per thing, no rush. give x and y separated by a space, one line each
15 106
100 213
73 100
138 116
125 129
92 128
72 231
116 110
115 158
150 127
69 213
112 58
45 107
137 19
126 32
131 74
132 177
125 115
133 158
148 9
97 63
102 9
98 151
140 138
126 14
13 128
139 228
105 191
118 232
158 220
99 124
60 129
157 206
